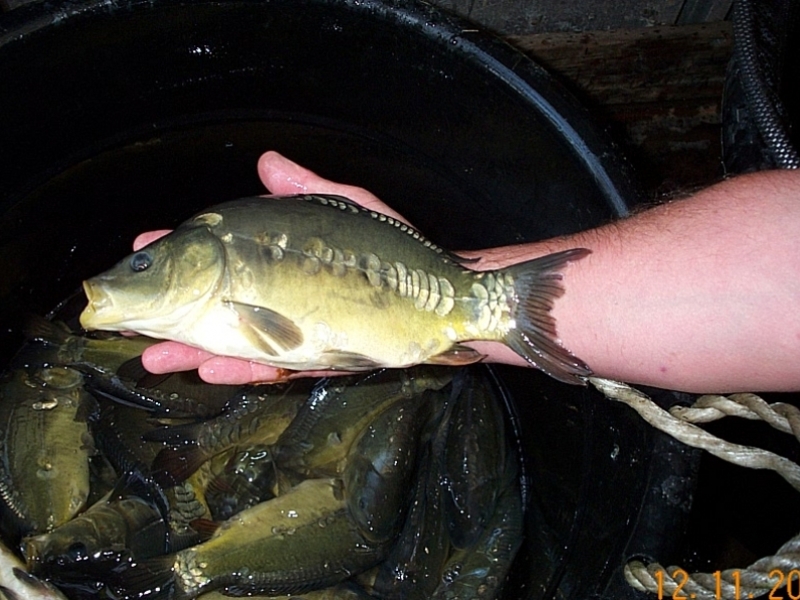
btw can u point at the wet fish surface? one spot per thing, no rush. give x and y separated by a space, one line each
44 449
392 484
317 282
17 584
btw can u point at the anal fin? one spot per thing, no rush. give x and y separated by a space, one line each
456 356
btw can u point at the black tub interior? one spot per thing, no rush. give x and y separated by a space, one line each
116 118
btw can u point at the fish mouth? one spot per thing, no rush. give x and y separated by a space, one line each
96 312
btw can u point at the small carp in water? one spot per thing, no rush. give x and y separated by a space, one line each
45 448
317 441
17 584
63 347
413 569
110 530
302 540
381 466
343 591
249 477
317 282
259 415
475 458
480 571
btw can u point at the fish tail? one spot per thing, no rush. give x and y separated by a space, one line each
536 285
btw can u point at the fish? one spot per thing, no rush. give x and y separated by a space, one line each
45 449
258 415
480 571
302 540
413 568
249 477
112 368
314 282
120 526
381 466
318 440
342 591
191 516
66 348
17 584
476 457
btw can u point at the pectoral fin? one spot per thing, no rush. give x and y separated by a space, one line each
270 331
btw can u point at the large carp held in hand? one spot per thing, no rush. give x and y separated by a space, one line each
317 282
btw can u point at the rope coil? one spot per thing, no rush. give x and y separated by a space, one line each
766 574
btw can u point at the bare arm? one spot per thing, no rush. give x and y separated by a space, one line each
700 294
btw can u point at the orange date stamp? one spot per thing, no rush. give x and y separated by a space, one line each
787 586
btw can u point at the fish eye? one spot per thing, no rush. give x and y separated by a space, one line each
78 552
141 261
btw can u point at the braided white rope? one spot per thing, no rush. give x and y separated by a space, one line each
691 435
765 575
781 416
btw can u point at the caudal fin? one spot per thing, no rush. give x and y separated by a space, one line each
537 284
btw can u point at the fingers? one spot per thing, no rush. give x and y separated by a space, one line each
225 370
168 357
148 236
282 176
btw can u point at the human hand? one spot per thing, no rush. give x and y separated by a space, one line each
280 176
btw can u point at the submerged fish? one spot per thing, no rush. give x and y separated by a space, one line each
17 584
257 416
476 458
317 282
302 540
61 346
111 529
45 448
480 571
317 441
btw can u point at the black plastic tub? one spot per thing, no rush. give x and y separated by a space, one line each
118 117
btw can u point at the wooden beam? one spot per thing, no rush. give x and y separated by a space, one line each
658 90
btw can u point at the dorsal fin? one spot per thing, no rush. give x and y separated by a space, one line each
345 204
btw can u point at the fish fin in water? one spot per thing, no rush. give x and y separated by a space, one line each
151 578
35 585
267 329
457 356
204 527
537 283
174 465
7 593
38 328
133 370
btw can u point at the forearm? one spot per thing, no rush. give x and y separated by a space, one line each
700 294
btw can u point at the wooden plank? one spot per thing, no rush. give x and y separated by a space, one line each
521 17
639 65
658 90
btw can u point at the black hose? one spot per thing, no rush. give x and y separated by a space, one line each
755 111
